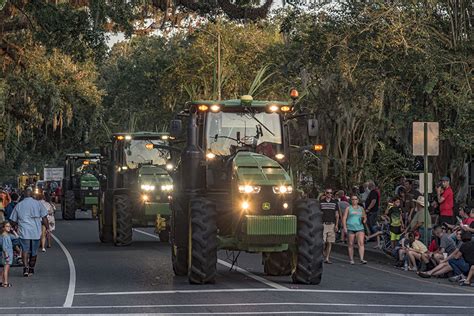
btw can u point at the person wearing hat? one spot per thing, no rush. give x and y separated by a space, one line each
418 221
446 202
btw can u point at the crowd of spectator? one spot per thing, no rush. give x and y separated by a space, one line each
27 220
400 228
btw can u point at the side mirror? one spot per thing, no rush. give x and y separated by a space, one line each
313 126
176 128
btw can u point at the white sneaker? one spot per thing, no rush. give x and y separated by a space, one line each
43 249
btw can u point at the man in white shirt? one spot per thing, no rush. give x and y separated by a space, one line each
29 215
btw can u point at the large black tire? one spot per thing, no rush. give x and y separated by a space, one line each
179 236
106 234
309 268
123 220
203 265
164 235
277 263
69 211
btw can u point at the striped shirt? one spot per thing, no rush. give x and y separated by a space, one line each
329 210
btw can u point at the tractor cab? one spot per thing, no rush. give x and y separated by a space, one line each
138 186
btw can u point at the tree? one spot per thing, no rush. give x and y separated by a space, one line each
372 69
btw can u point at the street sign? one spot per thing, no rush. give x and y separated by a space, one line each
421 177
418 138
53 174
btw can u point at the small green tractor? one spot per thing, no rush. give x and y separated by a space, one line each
139 186
81 184
234 190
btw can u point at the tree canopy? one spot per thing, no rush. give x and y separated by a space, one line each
365 71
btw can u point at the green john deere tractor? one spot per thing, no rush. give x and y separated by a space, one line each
81 184
138 188
234 190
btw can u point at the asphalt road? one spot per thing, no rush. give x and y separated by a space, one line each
81 275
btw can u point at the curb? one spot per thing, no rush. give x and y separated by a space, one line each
370 254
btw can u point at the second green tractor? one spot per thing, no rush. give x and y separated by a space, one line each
138 186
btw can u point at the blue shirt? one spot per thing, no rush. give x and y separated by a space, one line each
354 219
9 210
28 214
7 248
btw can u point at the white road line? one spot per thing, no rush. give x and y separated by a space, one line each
253 276
72 274
250 304
278 290
146 233
229 265
173 292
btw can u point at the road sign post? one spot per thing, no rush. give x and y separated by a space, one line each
425 143
425 187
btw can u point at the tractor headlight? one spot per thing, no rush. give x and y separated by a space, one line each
245 206
167 187
249 189
169 166
148 187
283 189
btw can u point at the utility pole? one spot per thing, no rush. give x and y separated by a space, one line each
219 70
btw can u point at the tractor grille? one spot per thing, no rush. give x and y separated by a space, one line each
270 225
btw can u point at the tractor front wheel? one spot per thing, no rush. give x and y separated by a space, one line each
179 236
123 220
69 211
203 265
277 263
309 268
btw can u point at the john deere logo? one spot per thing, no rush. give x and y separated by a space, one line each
266 206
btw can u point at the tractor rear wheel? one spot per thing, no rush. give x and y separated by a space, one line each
123 220
69 211
277 263
309 268
203 265
179 236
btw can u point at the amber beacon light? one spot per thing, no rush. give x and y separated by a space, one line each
318 147
294 94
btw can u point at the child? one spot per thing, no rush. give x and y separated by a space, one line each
395 217
7 253
417 251
401 252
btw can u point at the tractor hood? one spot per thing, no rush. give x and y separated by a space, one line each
89 180
154 175
257 169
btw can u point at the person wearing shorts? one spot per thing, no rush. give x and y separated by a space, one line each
29 215
395 217
330 209
353 222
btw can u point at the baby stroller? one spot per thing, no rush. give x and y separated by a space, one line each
384 242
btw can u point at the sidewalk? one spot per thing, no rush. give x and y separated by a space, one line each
371 254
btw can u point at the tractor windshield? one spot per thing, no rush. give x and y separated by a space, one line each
137 153
227 131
